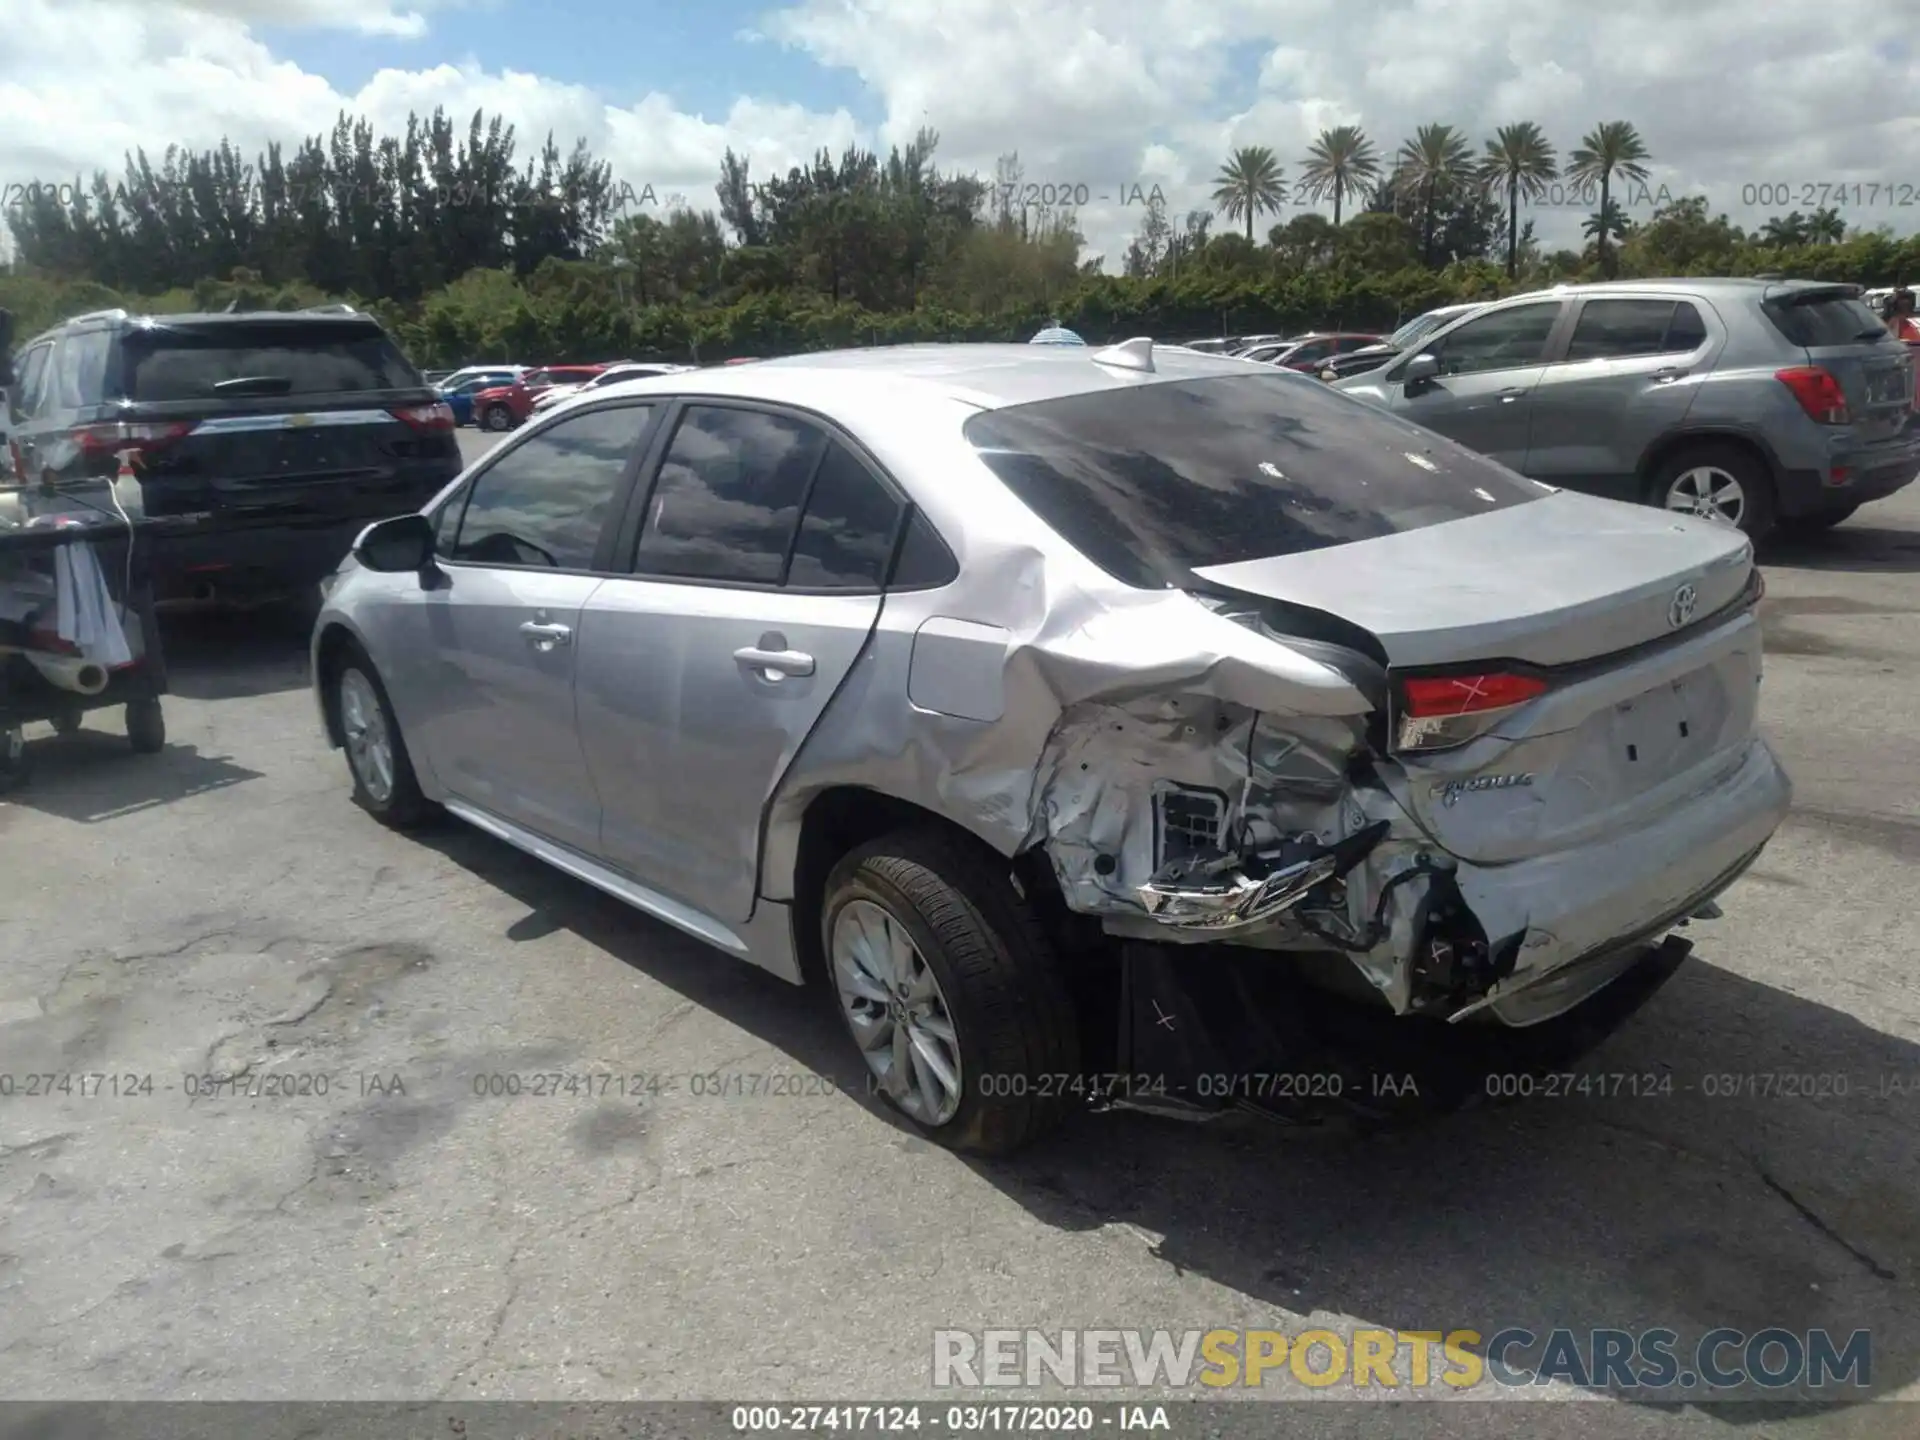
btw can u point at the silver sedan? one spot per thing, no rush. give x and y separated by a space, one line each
1100 726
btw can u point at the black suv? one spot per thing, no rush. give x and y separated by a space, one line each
268 439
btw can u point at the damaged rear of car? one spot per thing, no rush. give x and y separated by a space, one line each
1549 760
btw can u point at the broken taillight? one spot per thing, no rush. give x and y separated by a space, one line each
1439 711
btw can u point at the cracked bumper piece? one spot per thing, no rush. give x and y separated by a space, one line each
1579 912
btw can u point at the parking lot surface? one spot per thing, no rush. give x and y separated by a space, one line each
422 1216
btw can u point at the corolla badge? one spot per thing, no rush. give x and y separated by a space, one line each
1452 790
1680 609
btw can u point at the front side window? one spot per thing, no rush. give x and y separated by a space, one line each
1155 481
32 369
729 495
1503 340
546 501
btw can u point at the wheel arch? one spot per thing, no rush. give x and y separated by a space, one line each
798 854
1676 441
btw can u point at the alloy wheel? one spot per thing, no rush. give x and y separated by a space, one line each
897 1012
1709 492
369 744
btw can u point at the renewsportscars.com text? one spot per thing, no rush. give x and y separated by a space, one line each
1722 1359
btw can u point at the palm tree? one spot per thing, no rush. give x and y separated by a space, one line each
1520 161
1436 159
1826 227
1342 164
1609 149
1249 185
1783 231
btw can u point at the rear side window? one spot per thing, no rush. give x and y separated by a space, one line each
1152 482
846 534
1828 320
729 495
545 502
77 375
1616 329
273 357
32 369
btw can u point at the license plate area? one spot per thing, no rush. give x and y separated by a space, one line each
1660 733
1889 386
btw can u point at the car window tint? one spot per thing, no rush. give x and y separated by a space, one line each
1153 482
545 501
1686 331
79 370
31 371
1616 329
1314 350
925 561
187 362
847 531
728 495
1827 319
1499 341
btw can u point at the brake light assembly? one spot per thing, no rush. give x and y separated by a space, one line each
427 419
117 437
1818 392
1440 712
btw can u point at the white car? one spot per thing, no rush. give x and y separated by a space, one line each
550 398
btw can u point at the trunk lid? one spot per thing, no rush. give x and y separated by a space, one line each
1632 618
1562 580
1846 339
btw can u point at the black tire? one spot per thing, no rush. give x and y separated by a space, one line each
65 722
1760 505
1012 1016
146 726
497 417
16 759
404 806
1818 523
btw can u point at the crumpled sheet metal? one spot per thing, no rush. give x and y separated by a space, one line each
1098 706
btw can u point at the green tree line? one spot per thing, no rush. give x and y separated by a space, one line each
469 252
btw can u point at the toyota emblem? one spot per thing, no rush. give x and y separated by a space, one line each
1680 608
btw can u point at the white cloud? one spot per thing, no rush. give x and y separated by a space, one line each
1729 97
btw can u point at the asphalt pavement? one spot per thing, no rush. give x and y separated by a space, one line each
339 1179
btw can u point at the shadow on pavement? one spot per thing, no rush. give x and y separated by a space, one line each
1703 1191
1863 548
235 654
92 775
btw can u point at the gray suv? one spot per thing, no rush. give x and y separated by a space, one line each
1756 403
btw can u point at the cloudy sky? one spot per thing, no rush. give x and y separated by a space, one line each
1764 109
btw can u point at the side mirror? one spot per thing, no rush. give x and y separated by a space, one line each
1421 370
398 546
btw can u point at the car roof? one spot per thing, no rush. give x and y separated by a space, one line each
1729 286
985 376
129 320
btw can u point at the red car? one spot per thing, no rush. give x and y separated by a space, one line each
1309 352
506 407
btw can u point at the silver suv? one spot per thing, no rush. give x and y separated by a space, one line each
1757 403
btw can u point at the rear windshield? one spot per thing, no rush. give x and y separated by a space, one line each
1830 320
1152 482
193 363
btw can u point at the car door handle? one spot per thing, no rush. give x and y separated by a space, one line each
1670 374
547 637
1511 394
772 664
